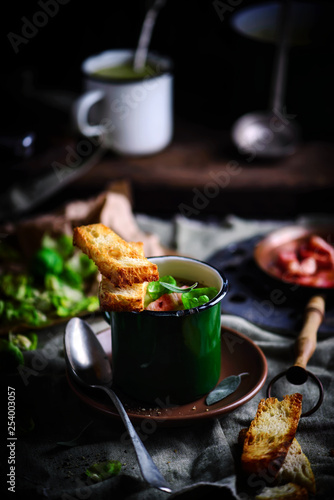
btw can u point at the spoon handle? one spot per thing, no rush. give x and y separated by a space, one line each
307 339
146 33
280 62
148 469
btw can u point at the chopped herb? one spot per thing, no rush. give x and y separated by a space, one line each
54 288
166 284
156 288
26 342
198 297
103 470
178 289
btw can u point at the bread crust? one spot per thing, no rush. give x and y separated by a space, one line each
121 299
270 435
296 467
121 262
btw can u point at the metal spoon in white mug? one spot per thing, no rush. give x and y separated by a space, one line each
146 34
90 367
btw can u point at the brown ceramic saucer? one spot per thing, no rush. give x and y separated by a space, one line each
239 355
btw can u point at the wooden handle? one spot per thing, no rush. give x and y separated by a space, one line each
307 339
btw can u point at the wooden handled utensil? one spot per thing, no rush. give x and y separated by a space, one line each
304 348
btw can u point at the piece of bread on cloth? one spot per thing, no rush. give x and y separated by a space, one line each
296 467
268 441
119 261
289 491
270 435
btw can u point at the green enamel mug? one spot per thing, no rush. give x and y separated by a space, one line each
170 356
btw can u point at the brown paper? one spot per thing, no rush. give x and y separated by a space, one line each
112 208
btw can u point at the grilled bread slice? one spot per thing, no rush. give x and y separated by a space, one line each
121 262
289 491
296 467
121 299
270 435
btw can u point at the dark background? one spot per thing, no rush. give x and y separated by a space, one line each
219 74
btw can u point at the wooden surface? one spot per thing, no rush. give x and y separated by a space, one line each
200 173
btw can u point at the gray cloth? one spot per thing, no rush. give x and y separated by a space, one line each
198 461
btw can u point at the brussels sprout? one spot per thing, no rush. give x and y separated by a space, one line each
46 261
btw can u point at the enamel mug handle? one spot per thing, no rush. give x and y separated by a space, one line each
81 110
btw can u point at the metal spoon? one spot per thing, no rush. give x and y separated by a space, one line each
271 133
89 365
145 35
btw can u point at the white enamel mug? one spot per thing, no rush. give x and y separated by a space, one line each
130 116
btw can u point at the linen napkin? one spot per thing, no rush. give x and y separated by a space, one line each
198 461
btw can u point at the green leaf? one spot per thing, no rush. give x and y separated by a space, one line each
198 297
17 286
178 289
226 387
26 342
62 244
156 288
46 261
103 470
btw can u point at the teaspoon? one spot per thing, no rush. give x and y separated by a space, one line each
90 367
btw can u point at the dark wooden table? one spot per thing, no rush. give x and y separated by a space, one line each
200 173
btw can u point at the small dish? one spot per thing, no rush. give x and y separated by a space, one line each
287 238
239 355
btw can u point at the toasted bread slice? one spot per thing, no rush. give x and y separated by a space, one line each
289 491
296 467
117 260
270 435
121 299
139 247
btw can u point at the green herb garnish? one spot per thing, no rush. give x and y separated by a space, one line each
26 342
46 260
166 284
103 470
178 289
55 286
156 288
191 296
198 297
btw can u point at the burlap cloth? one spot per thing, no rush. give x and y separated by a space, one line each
199 461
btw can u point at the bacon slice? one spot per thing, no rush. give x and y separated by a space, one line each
167 302
311 263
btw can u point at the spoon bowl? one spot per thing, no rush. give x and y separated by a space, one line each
88 364
86 357
271 134
266 134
